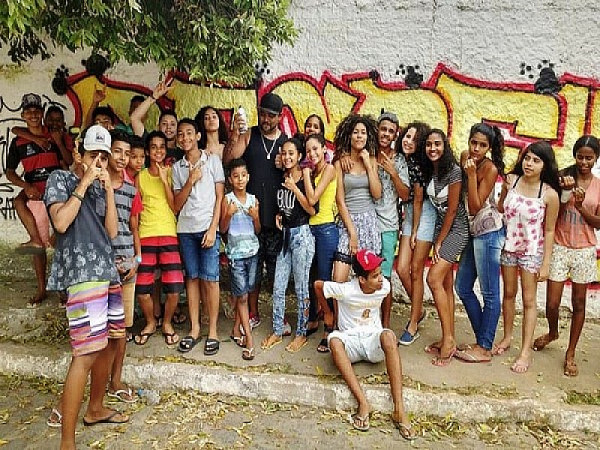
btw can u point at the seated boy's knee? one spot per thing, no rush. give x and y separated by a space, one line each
336 344
388 339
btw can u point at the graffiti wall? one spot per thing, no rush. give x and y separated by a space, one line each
443 66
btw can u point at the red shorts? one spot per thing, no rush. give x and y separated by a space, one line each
162 253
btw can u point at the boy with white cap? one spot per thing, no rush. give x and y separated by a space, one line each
81 205
360 336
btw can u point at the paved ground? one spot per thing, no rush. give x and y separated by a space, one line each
193 420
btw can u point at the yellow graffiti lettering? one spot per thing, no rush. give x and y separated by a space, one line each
533 115
576 102
409 104
117 98
189 98
304 99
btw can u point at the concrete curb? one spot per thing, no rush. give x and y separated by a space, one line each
310 391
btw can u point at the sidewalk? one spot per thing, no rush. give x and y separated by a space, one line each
468 392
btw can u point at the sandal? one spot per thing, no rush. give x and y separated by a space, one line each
171 338
323 347
443 361
240 341
54 419
570 368
432 349
112 418
179 318
520 366
293 348
248 354
142 338
269 343
188 343
123 395
360 423
406 431
541 342
211 347
498 350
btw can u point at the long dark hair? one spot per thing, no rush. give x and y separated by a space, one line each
495 141
544 151
321 124
421 129
587 140
446 162
223 134
343 134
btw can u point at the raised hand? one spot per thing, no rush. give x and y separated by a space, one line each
99 94
470 167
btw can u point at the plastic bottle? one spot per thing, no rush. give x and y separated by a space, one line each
151 396
242 114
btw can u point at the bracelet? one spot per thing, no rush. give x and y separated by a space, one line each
138 259
77 196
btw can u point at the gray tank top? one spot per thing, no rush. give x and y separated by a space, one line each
358 196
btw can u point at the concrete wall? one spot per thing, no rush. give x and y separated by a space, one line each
448 62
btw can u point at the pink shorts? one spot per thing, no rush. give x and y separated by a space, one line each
40 214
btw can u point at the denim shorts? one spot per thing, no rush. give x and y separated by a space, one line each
199 262
426 228
242 275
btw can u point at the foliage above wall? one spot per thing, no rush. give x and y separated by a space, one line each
217 40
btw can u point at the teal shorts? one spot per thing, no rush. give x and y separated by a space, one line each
389 241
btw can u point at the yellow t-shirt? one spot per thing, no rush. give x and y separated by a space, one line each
157 218
327 205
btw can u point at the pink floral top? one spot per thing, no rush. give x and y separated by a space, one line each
524 220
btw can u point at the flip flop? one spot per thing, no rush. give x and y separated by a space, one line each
360 423
211 347
323 347
123 395
466 356
498 350
30 250
289 348
269 345
311 331
519 366
406 431
188 343
240 341
248 354
570 368
444 361
541 342
431 349
174 337
54 423
109 419
143 338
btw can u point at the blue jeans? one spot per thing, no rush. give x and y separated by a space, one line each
242 275
326 242
481 259
199 262
297 257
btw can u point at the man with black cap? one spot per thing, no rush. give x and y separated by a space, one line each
260 147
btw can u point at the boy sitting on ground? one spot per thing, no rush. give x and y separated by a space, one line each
361 336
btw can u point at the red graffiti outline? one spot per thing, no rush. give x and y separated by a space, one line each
319 85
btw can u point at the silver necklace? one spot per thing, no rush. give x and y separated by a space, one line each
268 152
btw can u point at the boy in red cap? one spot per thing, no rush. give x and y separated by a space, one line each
360 336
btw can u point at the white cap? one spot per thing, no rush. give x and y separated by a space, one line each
97 138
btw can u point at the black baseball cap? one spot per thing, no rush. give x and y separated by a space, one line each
271 103
31 101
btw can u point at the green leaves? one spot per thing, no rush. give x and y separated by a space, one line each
211 40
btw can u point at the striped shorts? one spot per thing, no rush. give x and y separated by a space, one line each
95 314
162 253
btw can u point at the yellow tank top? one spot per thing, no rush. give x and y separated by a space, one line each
327 204
156 219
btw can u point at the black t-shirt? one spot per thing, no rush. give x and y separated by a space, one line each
292 213
265 178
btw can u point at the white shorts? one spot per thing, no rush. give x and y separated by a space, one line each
361 344
578 264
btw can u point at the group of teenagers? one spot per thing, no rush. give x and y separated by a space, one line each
140 214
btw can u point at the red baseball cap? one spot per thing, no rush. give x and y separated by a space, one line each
368 260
